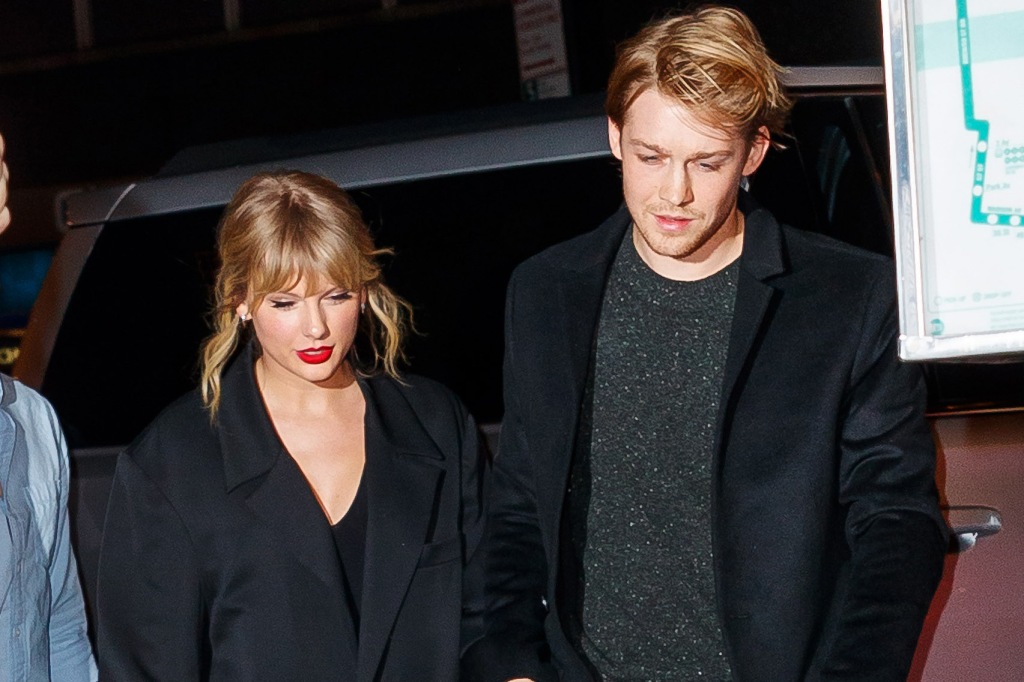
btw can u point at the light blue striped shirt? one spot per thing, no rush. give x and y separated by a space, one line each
42 614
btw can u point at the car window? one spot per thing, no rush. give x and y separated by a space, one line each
134 324
456 242
127 344
832 175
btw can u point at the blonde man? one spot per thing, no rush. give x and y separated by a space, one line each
712 465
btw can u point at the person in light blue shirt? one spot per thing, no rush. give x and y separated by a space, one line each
42 614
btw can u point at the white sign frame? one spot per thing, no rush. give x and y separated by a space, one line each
921 333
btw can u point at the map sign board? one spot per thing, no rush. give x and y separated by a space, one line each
955 81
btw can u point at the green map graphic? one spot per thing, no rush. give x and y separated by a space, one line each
967 108
1007 156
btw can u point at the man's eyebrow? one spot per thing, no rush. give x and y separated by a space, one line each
648 145
722 154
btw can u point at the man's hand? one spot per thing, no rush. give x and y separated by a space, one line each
5 213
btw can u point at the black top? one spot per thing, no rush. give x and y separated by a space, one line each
350 541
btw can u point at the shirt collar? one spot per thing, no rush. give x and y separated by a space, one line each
7 396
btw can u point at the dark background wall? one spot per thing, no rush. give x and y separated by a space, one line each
796 32
121 109
147 78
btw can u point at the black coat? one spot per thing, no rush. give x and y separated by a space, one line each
827 537
218 563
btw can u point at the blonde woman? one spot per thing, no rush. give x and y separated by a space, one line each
306 514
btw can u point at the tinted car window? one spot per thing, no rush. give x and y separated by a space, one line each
456 242
129 337
133 327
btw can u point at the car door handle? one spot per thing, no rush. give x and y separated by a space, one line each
967 523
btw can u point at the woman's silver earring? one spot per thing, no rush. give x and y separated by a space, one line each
362 307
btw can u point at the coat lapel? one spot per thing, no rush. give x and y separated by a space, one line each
763 259
262 476
404 476
579 293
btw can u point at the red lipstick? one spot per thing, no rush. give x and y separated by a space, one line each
315 356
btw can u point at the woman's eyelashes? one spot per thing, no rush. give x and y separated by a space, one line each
287 303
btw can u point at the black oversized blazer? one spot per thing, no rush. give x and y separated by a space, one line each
823 463
218 563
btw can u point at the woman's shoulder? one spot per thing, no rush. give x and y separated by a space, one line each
181 429
415 389
431 401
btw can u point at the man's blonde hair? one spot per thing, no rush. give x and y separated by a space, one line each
712 61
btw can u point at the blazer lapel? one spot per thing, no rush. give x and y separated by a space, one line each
763 259
580 293
262 475
286 507
403 482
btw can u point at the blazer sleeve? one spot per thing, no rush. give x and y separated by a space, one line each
150 610
475 478
512 643
894 529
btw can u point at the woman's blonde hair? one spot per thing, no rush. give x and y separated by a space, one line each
280 228
712 61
